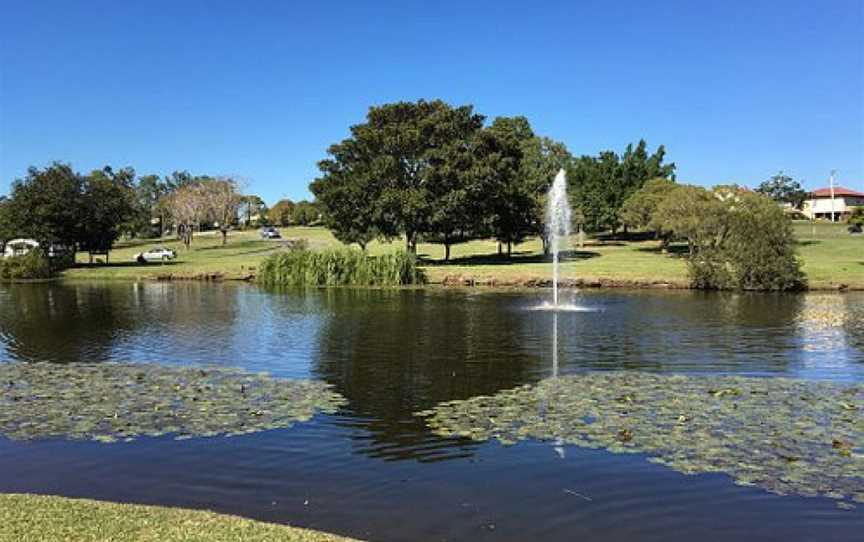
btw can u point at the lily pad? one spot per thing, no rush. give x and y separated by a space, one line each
784 435
107 402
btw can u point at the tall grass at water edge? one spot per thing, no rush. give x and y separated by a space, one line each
340 267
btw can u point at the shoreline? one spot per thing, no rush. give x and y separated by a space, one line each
456 280
831 259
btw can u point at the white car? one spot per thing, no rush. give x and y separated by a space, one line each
155 254
270 233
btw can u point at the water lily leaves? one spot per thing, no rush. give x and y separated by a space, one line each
783 435
108 402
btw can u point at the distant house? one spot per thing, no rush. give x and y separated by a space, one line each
819 204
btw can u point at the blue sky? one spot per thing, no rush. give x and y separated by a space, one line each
735 90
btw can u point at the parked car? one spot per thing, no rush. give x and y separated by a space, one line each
270 233
156 254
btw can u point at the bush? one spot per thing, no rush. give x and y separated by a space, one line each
856 218
33 265
752 248
344 267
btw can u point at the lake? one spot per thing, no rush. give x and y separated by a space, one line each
374 470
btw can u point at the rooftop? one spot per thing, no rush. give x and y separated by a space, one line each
839 191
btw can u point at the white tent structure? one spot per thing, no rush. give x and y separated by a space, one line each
19 247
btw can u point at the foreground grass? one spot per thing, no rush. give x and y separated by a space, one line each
831 258
32 518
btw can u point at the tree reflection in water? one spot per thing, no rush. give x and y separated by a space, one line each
392 353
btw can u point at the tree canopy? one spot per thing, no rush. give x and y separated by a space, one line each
737 239
432 170
783 189
282 212
600 185
108 201
640 208
64 210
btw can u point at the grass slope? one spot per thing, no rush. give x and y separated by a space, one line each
32 518
831 257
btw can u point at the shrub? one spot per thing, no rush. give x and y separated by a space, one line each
737 239
747 245
856 218
33 265
344 267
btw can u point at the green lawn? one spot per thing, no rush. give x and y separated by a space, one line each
831 257
35 518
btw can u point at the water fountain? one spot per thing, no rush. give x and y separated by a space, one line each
557 225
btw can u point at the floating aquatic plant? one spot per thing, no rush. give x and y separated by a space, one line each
786 436
113 401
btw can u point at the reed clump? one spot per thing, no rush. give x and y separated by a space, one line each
341 267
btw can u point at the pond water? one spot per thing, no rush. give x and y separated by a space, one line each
373 469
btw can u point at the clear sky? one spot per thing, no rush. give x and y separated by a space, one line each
736 90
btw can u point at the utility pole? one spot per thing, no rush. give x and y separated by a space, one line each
833 173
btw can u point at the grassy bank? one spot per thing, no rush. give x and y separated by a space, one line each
32 518
831 258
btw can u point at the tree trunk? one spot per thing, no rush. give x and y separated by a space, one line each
411 242
509 249
224 237
446 251
499 248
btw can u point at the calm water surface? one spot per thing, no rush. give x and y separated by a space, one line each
373 470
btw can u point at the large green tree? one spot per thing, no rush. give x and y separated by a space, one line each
640 209
107 202
377 182
46 205
542 158
347 194
600 185
150 193
456 192
511 202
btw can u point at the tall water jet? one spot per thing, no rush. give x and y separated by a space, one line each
557 225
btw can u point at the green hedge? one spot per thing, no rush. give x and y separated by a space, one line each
343 267
33 265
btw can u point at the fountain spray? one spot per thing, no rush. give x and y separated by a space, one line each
557 225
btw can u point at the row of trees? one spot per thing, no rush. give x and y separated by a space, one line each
65 210
430 170
289 213
736 239
62 209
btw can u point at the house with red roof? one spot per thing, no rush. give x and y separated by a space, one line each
821 205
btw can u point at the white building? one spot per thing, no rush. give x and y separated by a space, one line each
820 204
